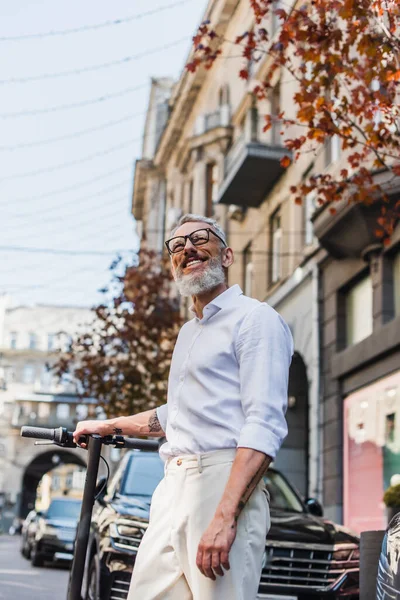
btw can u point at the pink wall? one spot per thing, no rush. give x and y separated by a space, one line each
363 469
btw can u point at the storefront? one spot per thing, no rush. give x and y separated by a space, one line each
371 451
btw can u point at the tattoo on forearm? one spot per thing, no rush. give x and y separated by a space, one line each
154 423
251 485
117 431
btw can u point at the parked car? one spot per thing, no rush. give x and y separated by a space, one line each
306 557
28 533
55 532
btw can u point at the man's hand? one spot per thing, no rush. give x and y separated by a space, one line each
88 427
214 546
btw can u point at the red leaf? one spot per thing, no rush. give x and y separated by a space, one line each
393 76
244 74
285 162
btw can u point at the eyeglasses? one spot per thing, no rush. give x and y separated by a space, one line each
197 238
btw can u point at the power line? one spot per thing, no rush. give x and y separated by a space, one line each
83 103
80 200
92 211
69 188
69 136
103 25
41 196
91 68
64 252
72 163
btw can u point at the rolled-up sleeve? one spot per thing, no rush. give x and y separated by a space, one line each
264 350
162 416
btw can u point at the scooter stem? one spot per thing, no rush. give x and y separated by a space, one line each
82 536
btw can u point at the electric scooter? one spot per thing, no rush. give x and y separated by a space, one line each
62 437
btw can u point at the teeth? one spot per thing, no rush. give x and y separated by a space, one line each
193 262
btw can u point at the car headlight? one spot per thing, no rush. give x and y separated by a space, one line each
126 535
50 530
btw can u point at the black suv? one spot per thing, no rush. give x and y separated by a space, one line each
55 532
306 557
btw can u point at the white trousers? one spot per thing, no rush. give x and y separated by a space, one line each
183 506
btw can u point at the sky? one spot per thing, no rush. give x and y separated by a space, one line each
70 135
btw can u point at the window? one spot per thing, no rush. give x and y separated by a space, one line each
396 284
59 509
248 270
359 311
55 482
190 196
62 411
211 188
43 411
28 373
276 247
68 480
142 475
224 96
275 109
81 412
309 208
13 340
46 379
332 150
32 341
51 339
78 479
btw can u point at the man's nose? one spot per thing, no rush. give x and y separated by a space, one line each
191 245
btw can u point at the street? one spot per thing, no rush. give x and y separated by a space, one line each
18 579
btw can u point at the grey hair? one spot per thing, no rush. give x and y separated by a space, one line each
191 218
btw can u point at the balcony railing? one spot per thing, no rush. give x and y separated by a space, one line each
212 120
52 422
251 168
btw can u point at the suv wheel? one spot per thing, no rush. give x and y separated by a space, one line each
36 557
93 580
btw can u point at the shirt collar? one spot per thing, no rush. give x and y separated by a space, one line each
227 298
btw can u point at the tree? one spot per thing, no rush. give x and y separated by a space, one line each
345 58
124 360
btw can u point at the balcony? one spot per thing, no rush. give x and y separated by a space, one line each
213 120
45 410
252 167
350 232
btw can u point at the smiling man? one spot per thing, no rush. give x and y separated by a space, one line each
224 422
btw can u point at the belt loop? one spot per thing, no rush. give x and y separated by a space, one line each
199 463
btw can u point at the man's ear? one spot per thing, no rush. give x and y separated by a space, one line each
227 257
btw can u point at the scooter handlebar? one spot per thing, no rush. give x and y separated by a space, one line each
43 433
62 436
137 444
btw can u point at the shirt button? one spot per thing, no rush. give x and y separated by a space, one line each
179 462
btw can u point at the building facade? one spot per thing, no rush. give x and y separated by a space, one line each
30 394
360 378
214 158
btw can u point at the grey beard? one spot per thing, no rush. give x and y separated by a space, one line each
194 284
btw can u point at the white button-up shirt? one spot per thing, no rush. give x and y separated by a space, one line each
228 380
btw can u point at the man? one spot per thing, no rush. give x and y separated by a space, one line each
224 422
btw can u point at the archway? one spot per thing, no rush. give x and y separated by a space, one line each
39 466
293 456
